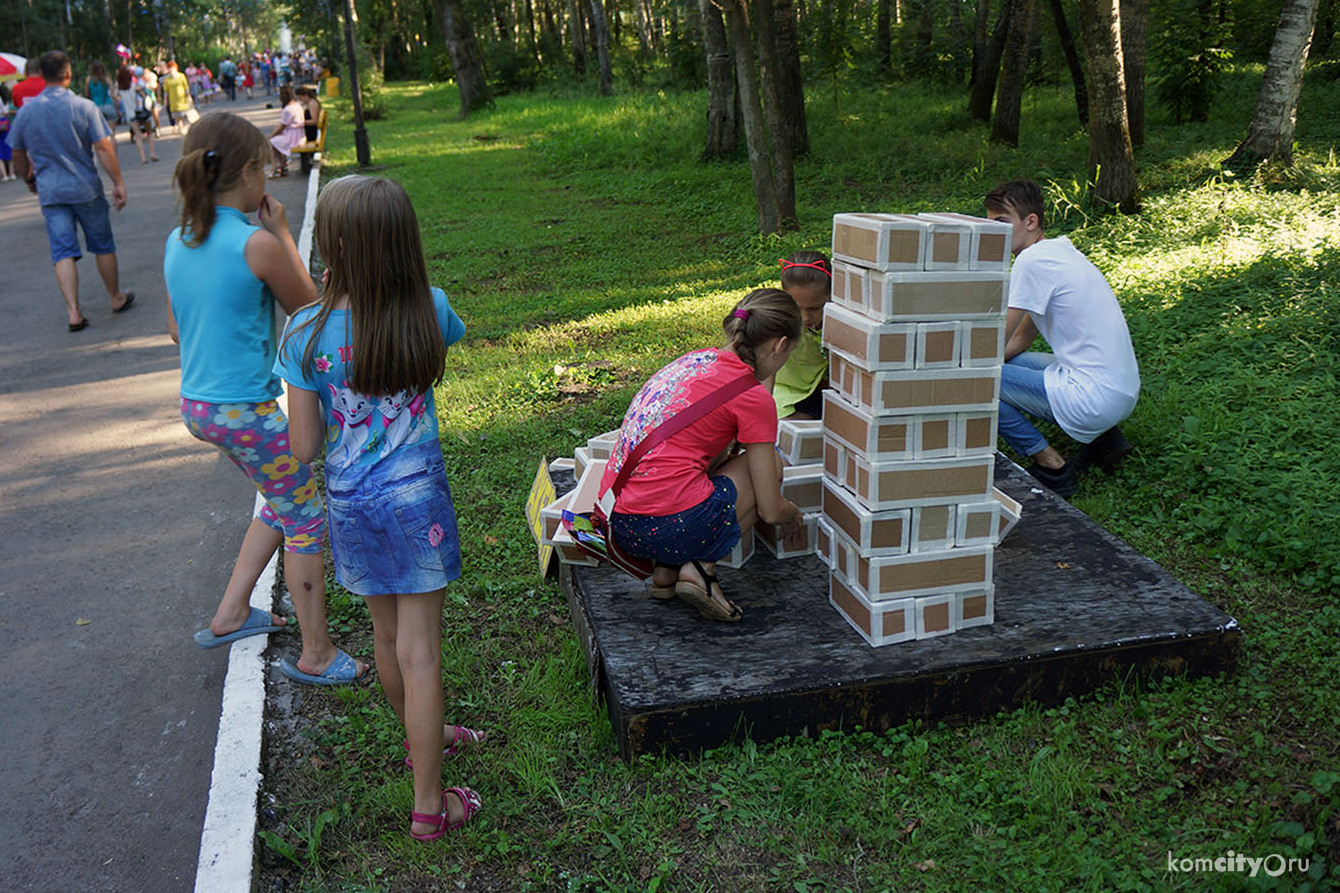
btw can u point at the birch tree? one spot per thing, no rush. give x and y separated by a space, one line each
1270 135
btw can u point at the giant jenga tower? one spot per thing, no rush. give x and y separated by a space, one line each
916 336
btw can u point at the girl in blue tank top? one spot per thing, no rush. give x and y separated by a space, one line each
223 276
361 367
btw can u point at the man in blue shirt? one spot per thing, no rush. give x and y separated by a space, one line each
54 139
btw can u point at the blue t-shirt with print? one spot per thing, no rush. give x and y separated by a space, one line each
360 430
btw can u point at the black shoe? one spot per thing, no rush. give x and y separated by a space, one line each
1106 450
1063 481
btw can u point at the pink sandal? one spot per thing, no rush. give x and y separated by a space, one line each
470 802
463 736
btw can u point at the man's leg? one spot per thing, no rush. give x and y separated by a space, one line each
1023 390
67 277
107 269
95 218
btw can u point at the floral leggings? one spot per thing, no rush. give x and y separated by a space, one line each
255 437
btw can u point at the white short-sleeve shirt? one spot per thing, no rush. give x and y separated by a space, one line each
1095 382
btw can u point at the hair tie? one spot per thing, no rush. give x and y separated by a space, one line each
817 265
212 162
740 313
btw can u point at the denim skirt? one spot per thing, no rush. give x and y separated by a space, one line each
394 532
706 532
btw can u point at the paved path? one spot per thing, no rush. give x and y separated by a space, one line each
117 533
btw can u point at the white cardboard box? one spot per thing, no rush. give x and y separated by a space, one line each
933 528
935 616
743 551
881 241
801 442
907 483
939 345
915 391
924 297
883 624
803 485
600 446
880 578
983 342
1010 512
989 240
872 533
869 344
951 244
975 608
977 523
886 436
771 537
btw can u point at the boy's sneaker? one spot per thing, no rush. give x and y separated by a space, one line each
1106 450
1063 481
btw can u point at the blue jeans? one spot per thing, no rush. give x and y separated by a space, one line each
1023 389
64 238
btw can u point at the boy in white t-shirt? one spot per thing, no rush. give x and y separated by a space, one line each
1090 382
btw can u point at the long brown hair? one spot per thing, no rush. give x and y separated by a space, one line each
761 316
214 155
368 236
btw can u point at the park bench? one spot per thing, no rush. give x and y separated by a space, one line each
313 147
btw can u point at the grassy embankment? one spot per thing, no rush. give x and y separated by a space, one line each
584 246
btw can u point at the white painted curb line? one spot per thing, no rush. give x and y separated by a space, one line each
228 840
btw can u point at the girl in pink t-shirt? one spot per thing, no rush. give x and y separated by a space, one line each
692 497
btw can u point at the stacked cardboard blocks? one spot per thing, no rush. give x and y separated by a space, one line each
916 337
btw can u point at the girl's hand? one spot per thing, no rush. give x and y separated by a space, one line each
793 530
272 215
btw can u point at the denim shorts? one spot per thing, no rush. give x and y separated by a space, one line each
706 532
93 217
394 532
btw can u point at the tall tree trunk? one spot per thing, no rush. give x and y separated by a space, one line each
1134 49
530 31
751 110
776 110
790 83
884 34
577 28
1010 96
600 25
1270 136
466 58
723 111
1111 159
987 67
1072 62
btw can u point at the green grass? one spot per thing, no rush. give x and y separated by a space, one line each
584 246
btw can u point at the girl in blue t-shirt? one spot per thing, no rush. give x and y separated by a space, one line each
361 366
223 275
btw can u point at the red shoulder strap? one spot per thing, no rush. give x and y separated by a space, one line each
678 422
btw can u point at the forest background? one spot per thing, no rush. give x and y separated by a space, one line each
649 226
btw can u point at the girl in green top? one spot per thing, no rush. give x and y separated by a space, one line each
807 277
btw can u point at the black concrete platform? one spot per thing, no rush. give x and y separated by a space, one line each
1075 607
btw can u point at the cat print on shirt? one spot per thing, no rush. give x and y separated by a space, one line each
353 410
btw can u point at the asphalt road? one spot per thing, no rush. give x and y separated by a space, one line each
117 534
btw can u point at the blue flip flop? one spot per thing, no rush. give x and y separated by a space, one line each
342 671
257 624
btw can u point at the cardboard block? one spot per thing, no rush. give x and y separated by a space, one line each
977 523
889 437
885 624
932 528
581 457
881 241
871 533
983 342
803 485
976 433
936 435
975 608
771 537
935 616
917 391
800 442
1010 512
881 578
951 244
743 551
562 463
938 344
823 540
569 552
869 344
923 297
848 289
905 484
989 245
600 446
551 517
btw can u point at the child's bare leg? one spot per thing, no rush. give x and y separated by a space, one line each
385 621
305 575
258 545
419 654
